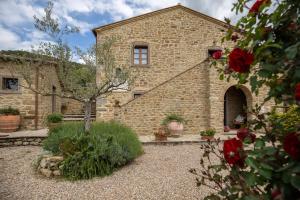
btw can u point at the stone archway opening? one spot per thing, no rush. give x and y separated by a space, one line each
235 108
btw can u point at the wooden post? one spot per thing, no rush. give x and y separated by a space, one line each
36 112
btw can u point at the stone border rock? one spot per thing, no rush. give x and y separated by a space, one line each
49 165
21 141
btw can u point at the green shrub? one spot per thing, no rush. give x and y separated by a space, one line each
173 117
108 146
9 111
54 118
208 132
58 135
285 122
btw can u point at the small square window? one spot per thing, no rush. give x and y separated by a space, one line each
140 55
137 94
10 84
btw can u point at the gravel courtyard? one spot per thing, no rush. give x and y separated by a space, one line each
161 173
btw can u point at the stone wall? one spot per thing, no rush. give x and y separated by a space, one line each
71 106
25 99
197 94
186 95
21 141
177 40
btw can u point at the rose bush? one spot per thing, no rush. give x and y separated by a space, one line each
233 152
244 135
240 60
291 145
263 161
217 54
297 92
257 5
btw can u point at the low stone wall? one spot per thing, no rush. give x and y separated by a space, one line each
21 141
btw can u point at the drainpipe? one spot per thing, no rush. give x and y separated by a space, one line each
36 110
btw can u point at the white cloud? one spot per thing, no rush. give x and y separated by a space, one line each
16 33
16 12
8 39
11 40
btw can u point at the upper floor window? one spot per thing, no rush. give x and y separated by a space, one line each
11 84
141 55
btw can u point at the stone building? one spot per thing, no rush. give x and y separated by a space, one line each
14 90
168 52
34 107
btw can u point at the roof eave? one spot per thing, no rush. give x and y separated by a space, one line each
135 18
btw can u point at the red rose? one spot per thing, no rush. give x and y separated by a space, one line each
232 152
234 38
240 60
217 54
291 145
297 92
257 5
292 26
276 194
244 134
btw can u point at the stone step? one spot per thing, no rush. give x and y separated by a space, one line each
77 119
77 115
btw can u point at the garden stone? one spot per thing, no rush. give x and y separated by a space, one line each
18 143
56 173
55 158
43 163
46 172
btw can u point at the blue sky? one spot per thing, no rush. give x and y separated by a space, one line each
16 17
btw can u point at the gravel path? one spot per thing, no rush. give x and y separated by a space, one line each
161 173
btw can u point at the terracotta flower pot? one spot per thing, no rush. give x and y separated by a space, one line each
161 134
175 128
161 137
9 123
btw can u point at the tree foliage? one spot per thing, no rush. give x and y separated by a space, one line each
263 161
78 81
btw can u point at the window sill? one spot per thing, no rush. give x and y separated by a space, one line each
147 65
9 92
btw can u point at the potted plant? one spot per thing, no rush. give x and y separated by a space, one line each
54 120
9 120
161 134
208 134
174 124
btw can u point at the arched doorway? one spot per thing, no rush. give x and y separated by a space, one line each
235 107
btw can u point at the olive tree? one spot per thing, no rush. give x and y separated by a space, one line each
78 81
